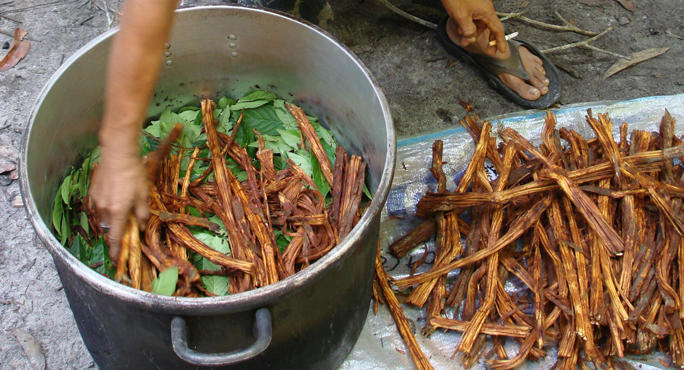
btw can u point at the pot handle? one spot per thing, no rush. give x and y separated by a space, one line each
262 331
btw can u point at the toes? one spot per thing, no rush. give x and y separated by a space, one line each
522 88
534 66
539 84
526 55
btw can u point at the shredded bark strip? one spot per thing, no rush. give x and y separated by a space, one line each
592 230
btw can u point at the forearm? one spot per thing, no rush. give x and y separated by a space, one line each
133 68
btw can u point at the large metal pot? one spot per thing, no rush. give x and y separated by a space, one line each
309 320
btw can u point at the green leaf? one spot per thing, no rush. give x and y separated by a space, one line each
168 120
168 117
98 254
290 137
204 264
65 190
216 284
244 136
258 95
329 151
237 171
188 116
83 219
367 192
225 124
282 240
215 219
318 177
248 105
190 135
154 129
198 120
147 144
225 101
289 122
214 241
324 134
192 211
275 143
188 108
66 228
84 177
58 213
165 283
80 249
302 159
76 185
217 243
262 119
162 127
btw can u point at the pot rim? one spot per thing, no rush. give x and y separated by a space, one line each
254 298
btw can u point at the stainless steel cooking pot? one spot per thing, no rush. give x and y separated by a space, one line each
309 320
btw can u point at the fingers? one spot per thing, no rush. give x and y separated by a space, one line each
141 209
466 27
117 224
497 32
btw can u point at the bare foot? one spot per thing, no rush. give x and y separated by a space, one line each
537 85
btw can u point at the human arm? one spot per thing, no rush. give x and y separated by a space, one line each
119 185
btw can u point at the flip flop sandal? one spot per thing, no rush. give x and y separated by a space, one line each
491 67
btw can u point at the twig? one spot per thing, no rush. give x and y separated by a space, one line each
408 16
10 18
585 44
106 11
509 16
669 33
86 20
38 6
592 47
567 26
567 69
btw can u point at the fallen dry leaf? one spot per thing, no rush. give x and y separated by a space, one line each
627 4
591 2
17 202
17 52
31 348
634 59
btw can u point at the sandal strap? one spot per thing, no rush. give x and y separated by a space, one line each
513 65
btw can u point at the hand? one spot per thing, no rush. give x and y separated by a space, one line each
119 187
473 18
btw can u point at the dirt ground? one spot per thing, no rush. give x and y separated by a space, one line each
422 82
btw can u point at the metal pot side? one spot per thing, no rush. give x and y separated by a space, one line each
316 314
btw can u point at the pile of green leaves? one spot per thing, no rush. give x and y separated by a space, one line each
262 111
70 220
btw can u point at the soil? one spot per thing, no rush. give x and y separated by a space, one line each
421 81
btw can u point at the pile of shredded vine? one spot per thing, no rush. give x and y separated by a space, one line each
590 230
242 194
